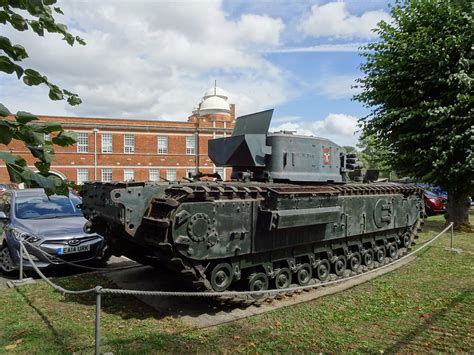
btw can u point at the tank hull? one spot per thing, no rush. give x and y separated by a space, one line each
224 236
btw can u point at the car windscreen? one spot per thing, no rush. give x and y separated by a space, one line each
42 206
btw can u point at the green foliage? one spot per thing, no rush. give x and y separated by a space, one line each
373 154
350 149
34 136
419 83
40 19
36 15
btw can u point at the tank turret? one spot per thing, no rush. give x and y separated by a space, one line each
256 154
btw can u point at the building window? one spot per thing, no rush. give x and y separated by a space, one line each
190 173
128 175
171 174
154 174
107 175
162 144
106 142
82 175
129 143
221 172
191 145
82 142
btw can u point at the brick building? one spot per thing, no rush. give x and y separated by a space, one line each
142 150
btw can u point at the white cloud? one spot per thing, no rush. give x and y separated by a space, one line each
152 60
340 128
334 20
320 48
296 127
337 86
286 119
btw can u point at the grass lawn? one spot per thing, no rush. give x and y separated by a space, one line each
427 305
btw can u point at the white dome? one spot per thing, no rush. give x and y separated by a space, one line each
214 104
216 91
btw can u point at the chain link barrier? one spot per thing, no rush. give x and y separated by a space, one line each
224 293
99 290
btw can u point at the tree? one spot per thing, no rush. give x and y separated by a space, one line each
418 83
373 154
37 15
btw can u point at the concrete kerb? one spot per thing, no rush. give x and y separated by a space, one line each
99 290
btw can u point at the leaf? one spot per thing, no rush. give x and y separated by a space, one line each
33 78
50 127
4 17
35 7
69 38
4 112
37 179
65 138
74 100
7 66
55 93
5 135
58 10
9 158
43 167
61 27
18 22
14 171
80 41
10 347
25 117
37 28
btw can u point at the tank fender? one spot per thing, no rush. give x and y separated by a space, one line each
282 219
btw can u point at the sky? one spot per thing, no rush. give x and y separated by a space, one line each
155 59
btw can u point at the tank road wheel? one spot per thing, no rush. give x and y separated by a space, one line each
340 265
283 278
368 257
406 240
221 277
322 270
393 250
354 261
380 254
304 274
258 281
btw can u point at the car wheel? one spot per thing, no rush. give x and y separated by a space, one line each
6 262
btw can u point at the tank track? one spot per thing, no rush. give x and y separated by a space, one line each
193 273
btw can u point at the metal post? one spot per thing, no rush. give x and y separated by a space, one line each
21 281
452 233
97 319
95 130
21 262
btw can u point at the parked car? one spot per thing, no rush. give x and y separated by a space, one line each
434 203
5 187
54 224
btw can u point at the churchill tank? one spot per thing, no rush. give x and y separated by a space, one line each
288 215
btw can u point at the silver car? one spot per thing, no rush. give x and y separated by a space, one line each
54 224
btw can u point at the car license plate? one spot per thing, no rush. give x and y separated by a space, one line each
75 249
